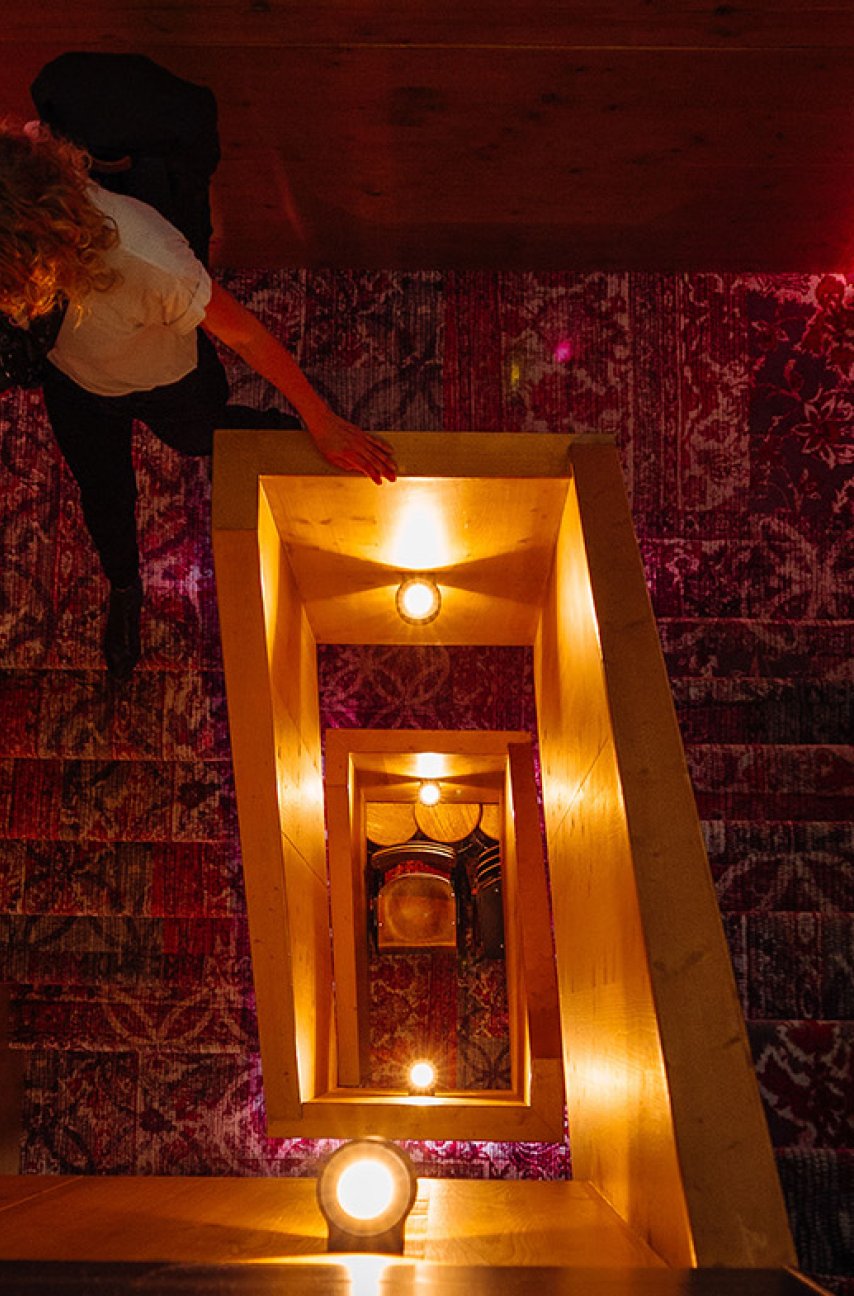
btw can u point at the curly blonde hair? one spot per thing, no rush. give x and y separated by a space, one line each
52 237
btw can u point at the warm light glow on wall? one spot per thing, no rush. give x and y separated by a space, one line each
429 793
420 542
431 765
606 1082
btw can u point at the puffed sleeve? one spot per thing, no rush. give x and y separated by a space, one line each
186 295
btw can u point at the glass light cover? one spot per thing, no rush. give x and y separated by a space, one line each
418 600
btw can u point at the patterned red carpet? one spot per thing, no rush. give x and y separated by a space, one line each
124 932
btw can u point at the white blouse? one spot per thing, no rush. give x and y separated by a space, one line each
141 333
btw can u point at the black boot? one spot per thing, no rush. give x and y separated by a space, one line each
121 637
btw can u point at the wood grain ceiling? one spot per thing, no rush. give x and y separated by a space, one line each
518 134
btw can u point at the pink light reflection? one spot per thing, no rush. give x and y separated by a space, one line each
563 351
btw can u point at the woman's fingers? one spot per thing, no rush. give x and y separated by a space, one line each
379 458
348 447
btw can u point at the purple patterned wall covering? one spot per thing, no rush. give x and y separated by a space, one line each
124 932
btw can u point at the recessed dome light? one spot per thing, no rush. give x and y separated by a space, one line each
422 1077
366 1190
429 793
418 600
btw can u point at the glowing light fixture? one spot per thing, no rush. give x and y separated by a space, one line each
365 1189
429 793
422 1078
365 1192
418 600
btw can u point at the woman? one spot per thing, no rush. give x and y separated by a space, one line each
131 347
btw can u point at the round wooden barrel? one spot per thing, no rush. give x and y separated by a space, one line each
417 854
389 822
488 867
448 822
490 819
488 878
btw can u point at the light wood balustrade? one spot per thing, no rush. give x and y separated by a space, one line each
532 543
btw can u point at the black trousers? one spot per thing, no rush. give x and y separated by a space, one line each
94 434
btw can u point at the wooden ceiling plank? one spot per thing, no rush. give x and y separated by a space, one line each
647 156
574 24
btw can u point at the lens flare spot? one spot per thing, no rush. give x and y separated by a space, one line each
422 1075
563 351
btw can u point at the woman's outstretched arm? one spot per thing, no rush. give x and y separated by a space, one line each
340 442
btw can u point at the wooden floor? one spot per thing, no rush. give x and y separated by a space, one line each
220 1221
102 1236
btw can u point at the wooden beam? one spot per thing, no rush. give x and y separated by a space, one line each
619 1112
244 645
349 933
500 1223
291 679
524 848
731 1187
664 1106
623 137
496 1115
12 1071
306 24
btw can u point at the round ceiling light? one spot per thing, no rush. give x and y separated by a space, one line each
365 1191
422 1077
429 793
418 600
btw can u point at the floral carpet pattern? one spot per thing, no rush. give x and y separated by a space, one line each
121 902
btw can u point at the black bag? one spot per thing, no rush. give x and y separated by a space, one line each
23 351
116 105
163 128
